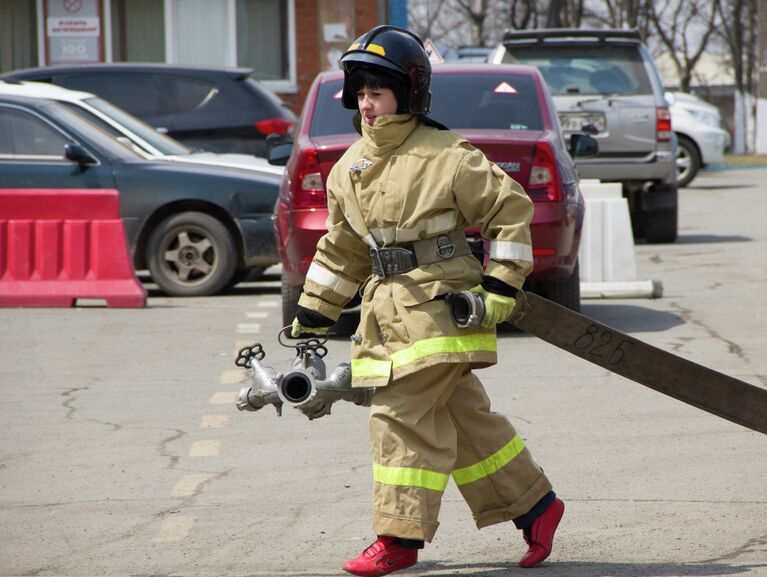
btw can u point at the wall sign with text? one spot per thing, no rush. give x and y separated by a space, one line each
73 31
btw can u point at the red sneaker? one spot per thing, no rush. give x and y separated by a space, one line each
384 556
540 535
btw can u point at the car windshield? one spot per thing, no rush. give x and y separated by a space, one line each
93 133
469 101
164 144
585 69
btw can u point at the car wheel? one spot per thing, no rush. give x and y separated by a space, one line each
566 292
191 254
688 161
660 226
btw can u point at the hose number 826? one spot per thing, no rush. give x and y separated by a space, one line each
597 342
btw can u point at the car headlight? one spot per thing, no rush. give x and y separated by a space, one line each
705 117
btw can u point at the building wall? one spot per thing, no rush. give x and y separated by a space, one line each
311 51
309 60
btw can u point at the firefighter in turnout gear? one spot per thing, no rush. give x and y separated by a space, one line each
399 200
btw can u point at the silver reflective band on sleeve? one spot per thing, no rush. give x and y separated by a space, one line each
331 280
507 250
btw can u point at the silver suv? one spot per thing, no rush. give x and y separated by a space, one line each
605 82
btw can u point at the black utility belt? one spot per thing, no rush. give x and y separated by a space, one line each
402 258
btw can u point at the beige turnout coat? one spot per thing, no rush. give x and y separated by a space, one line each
405 181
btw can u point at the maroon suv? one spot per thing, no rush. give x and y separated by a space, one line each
506 111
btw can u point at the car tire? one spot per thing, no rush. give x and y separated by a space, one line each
660 226
566 292
191 254
688 161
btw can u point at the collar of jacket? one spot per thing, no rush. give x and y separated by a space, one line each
388 132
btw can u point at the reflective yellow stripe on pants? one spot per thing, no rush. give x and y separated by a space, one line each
493 463
410 477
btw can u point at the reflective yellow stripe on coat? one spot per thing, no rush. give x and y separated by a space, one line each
421 349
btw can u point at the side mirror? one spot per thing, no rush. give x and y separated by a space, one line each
583 146
77 153
590 129
278 149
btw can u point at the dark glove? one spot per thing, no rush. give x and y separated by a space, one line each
308 321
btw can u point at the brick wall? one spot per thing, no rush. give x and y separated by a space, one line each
308 57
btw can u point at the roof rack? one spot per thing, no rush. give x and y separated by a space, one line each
543 34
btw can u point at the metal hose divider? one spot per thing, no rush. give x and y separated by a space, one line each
304 388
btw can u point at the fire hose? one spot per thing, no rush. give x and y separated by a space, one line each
307 389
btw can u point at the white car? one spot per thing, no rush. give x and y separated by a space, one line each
133 132
701 140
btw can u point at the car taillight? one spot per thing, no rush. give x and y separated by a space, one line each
308 188
274 126
663 124
543 184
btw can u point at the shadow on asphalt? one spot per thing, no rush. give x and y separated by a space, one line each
630 318
622 317
710 238
719 186
265 285
583 569
627 318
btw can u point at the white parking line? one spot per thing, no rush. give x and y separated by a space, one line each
249 328
174 529
224 397
268 304
189 485
214 421
258 315
233 377
206 448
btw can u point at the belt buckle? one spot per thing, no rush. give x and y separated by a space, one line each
378 267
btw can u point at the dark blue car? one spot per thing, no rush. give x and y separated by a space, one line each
197 228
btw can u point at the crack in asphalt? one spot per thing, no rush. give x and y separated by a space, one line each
188 501
163 448
71 396
732 347
747 547
185 502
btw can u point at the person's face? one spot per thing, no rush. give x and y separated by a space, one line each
373 102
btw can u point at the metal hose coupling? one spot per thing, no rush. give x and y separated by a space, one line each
305 387
467 308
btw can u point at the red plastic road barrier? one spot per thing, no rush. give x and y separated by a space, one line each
57 246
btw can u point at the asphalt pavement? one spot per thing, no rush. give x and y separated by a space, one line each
122 452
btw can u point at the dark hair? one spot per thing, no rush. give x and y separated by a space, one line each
375 77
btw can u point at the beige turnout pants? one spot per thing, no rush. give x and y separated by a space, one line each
436 423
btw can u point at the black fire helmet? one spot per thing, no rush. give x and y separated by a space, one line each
399 51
